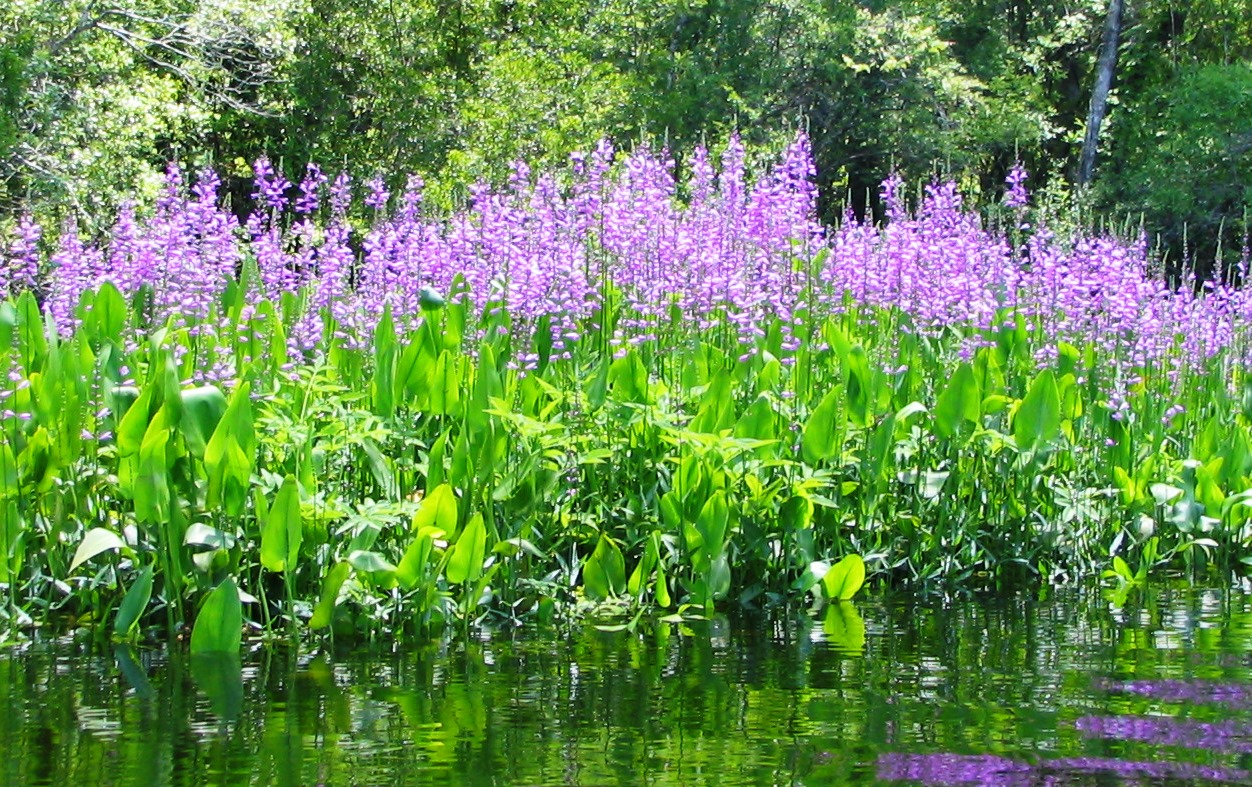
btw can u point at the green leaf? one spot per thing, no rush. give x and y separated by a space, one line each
413 565
713 522
284 529
465 559
1038 418
844 578
822 431
604 573
133 604
329 597
960 402
96 541
230 454
202 410
438 509
219 626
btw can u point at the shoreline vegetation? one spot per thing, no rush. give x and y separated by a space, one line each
619 388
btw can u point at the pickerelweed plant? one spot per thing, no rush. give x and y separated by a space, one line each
611 386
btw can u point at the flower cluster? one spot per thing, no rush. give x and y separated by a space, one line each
686 251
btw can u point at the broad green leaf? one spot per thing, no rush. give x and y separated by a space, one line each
229 456
1038 418
96 541
713 522
284 529
717 406
438 509
604 573
109 312
822 431
960 402
202 410
413 565
134 423
844 578
368 561
219 625
133 604
325 608
465 558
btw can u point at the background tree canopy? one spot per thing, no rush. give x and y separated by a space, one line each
96 96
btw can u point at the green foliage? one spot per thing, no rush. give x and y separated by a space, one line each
1191 171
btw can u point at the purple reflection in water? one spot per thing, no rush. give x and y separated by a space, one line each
1226 736
954 769
942 770
1236 695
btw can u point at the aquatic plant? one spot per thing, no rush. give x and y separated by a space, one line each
615 386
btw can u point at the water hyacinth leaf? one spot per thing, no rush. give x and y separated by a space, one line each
604 572
960 402
414 369
152 487
717 579
820 440
219 624
133 604
844 578
96 541
284 529
35 464
465 558
1038 418
660 589
11 529
324 610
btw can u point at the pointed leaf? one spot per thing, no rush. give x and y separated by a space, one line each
219 626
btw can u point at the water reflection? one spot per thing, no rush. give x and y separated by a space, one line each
1058 689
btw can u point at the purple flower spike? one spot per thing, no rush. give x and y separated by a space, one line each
1015 195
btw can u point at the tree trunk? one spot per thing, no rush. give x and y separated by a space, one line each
1100 93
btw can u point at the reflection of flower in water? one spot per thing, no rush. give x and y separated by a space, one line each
1236 695
1226 736
971 769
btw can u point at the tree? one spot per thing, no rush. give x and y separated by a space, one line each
107 92
1100 92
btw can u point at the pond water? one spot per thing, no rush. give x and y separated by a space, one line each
1051 689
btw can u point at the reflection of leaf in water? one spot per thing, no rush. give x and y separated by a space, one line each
220 677
134 674
844 628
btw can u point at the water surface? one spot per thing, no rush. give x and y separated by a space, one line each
1049 689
